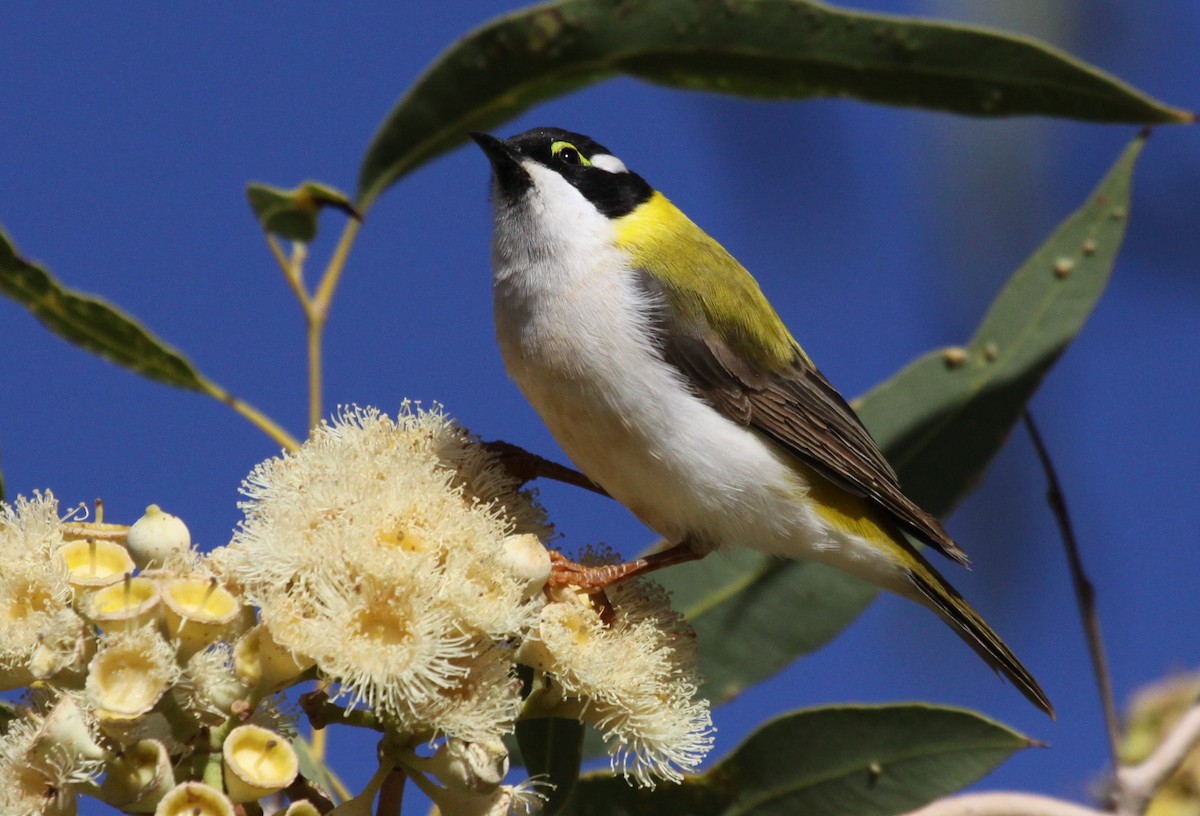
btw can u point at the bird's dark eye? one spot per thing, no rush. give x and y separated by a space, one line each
567 153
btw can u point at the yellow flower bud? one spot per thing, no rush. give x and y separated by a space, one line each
524 556
157 538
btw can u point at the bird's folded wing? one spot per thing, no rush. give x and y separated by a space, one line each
801 411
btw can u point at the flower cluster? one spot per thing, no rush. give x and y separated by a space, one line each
632 670
396 557
394 560
127 635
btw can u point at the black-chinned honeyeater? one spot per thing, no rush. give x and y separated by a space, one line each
669 380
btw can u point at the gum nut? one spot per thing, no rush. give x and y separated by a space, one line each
138 779
198 612
258 762
260 660
94 564
527 560
132 602
194 799
66 732
157 536
126 682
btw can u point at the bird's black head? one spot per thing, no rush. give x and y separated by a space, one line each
601 177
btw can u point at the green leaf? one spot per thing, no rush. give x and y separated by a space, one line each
780 49
292 214
92 324
939 421
865 760
746 610
942 418
552 747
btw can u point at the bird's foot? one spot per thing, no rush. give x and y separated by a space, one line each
593 579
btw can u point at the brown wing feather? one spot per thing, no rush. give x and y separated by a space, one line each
801 411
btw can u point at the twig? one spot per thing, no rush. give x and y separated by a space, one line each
321 712
1004 803
1085 593
525 466
256 417
391 793
1136 784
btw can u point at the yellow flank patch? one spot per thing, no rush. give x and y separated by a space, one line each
856 515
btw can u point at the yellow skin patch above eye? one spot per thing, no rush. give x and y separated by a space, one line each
560 146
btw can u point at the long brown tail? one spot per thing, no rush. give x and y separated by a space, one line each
972 628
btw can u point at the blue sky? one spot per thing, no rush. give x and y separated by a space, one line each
131 130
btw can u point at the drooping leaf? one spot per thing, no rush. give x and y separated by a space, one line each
93 324
940 421
780 49
293 214
101 328
865 760
943 417
552 748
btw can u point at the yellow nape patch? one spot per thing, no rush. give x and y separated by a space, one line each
654 221
704 284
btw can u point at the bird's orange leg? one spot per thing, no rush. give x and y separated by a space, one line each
565 572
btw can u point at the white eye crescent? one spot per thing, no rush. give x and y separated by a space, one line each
609 162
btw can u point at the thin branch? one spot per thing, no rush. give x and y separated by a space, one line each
1004 803
256 417
315 330
1085 593
391 793
1138 783
337 263
291 268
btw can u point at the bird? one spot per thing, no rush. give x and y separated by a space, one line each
670 381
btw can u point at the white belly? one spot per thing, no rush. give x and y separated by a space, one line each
626 419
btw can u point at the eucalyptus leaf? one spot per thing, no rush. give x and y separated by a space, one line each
293 214
865 760
552 748
779 49
940 421
93 324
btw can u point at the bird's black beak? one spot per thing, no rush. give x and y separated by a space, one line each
511 178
